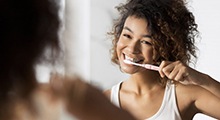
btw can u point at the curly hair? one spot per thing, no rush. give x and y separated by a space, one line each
171 24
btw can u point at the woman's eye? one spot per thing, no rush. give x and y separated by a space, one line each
146 42
127 36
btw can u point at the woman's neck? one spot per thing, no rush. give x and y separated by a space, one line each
145 81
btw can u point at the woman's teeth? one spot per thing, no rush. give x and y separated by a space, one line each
136 60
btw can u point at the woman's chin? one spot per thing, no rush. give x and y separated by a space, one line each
128 70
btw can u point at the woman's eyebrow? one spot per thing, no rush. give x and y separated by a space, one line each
127 28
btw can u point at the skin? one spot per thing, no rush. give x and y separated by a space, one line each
142 94
84 101
180 72
78 98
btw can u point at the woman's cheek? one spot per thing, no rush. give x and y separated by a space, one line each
150 56
119 46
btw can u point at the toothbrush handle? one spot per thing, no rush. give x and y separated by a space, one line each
151 67
155 68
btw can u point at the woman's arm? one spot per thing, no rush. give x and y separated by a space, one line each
193 99
207 103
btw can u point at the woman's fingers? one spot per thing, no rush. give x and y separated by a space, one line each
162 66
174 70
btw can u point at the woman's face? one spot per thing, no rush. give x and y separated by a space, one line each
135 44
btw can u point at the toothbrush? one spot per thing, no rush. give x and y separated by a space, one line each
147 66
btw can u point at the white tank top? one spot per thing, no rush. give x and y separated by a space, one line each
168 109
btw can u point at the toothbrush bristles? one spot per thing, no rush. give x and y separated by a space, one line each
128 62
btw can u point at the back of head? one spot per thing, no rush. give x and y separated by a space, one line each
27 27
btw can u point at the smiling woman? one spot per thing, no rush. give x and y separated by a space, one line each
160 33
134 39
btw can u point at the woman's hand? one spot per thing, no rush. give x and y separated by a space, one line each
178 71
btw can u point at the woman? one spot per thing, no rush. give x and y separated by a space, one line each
155 32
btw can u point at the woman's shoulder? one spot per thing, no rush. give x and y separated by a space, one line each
107 93
188 89
43 105
44 90
188 93
185 97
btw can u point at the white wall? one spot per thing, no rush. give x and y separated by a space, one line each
103 73
207 14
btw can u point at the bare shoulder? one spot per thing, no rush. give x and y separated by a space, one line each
44 92
192 99
107 93
42 102
43 89
191 91
188 93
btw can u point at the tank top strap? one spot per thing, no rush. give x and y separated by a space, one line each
115 94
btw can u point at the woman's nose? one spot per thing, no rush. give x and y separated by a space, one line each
134 47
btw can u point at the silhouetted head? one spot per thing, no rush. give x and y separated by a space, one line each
27 28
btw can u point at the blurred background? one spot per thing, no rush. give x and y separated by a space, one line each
87 44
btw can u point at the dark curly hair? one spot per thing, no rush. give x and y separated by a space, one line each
171 24
27 28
